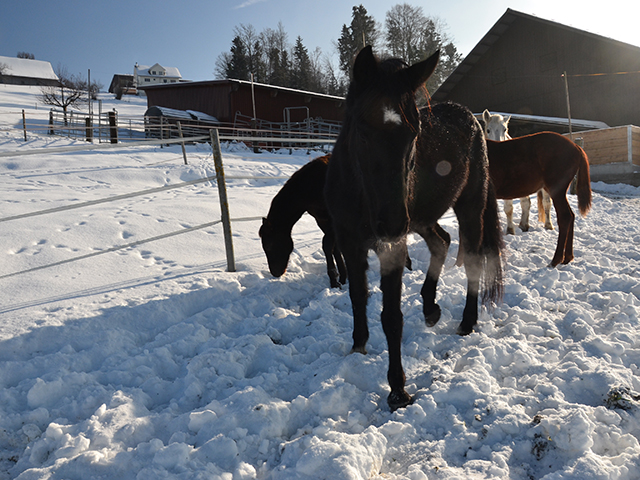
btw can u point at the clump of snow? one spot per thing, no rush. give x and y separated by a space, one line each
155 362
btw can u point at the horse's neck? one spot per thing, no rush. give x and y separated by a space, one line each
286 208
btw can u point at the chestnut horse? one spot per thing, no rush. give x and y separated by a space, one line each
523 165
396 169
303 192
496 127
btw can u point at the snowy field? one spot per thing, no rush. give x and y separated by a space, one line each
154 362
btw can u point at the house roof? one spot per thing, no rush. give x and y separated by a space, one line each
23 67
173 72
493 35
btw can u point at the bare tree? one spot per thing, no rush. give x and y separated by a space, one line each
412 36
4 69
72 91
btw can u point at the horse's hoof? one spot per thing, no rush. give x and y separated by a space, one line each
335 284
431 318
463 330
511 231
398 400
361 350
524 228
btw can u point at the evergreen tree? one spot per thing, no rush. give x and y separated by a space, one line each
362 31
301 67
237 66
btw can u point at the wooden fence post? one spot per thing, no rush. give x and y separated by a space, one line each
113 127
184 151
51 122
224 203
24 125
87 122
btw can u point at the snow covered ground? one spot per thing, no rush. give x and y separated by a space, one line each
155 362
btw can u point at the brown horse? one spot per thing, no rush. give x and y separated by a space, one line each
522 166
303 192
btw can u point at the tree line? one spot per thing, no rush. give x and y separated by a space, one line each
269 57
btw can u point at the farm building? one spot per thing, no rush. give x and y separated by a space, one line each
162 122
24 71
518 69
122 84
232 101
518 66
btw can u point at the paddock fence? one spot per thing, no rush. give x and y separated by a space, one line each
112 127
213 137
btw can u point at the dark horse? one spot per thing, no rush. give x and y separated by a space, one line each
303 192
524 165
396 169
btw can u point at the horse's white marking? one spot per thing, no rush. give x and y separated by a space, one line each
389 115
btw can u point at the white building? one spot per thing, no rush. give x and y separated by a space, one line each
156 74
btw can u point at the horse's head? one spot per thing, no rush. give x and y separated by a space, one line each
382 124
277 245
496 127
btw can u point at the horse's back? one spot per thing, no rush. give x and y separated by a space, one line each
449 153
522 165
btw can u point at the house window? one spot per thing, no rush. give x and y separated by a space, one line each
147 80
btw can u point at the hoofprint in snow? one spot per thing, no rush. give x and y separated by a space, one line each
155 362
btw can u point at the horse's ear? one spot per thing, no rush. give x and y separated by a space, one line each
420 72
486 115
365 65
506 122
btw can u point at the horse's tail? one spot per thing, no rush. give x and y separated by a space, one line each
492 249
584 184
542 214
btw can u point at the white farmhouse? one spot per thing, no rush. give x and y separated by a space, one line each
156 74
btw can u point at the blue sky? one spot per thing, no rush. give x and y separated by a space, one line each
110 37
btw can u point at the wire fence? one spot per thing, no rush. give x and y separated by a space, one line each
219 178
111 127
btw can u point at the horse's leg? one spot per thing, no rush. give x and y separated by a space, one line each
508 210
391 268
566 217
546 208
328 246
525 205
342 268
355 257
438 241
470 224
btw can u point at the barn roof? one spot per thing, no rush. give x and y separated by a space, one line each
24 67
241 82
493 35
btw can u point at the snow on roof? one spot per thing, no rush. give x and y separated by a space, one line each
576 122
23 67
143 70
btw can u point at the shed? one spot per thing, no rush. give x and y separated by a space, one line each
25 71
517 67
230 100
161 122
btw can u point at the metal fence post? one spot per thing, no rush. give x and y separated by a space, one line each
224 203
